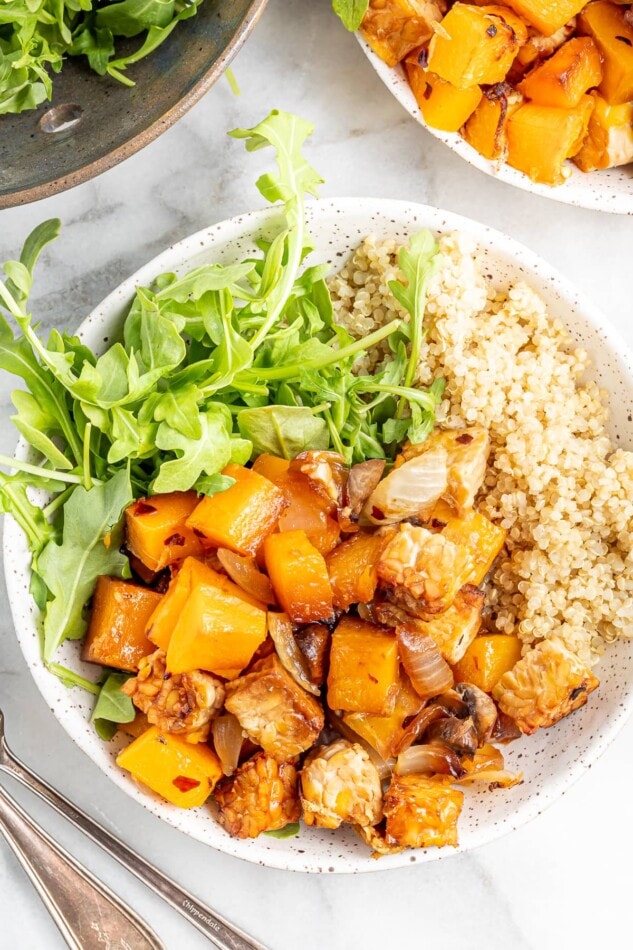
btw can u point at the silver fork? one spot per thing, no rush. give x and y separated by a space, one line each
219 931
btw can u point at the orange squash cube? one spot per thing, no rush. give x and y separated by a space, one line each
486 129
116 631
476 45
547 16
540 138
384 733
352 567
394 27
563 79
443 105
156 532
206 622
270 466
609 139
607 24
488 657
299 576
364 670
240 517
182 773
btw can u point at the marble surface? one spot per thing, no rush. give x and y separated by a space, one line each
563 880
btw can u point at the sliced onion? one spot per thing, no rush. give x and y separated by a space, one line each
244 572
289 652
383 766
506 729
418 726
227 741
487 765
410 489
428 671
435 759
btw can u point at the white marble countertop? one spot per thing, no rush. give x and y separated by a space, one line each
562 881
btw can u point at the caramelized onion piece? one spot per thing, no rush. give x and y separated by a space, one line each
244 572
418 725
227 741
384 766
427 669
481 709
409 490
506 729
288 651
458 734
487 765
434 759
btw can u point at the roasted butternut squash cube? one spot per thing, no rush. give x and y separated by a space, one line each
476 45
394 27
299 576
547 16
421 812
486 659
546 685
540 138
486 129
206 622
116 631
271 466
478 536
261 796
384 733
612 32
353 568
183 774
609 139
307 511
563 79
455 629
443 105
275 712
155 529
243 515
364 672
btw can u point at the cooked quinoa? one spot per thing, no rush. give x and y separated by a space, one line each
554 478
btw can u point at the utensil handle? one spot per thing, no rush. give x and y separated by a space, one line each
85 911
219 931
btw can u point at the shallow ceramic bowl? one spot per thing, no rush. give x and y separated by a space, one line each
553 758
94 122
608 190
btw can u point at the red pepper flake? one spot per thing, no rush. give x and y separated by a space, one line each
624 39
176 539
372 678
377 513
492 30
143 508
428 90
198 534
184 784
437 524
464 439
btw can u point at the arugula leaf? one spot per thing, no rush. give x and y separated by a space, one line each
89 548
112 706
291 830
283 430
351 12
205 455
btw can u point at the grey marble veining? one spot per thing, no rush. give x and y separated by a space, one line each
564 880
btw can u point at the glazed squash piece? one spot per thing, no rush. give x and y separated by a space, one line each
270 466
182 773
443 105
364 669
540 138
609 139
476 44
394 27
155 529
538 48
487 658
547 16
299 576
243 515
563 79
116 631
384 733
353 567
206 622
486 129
612 32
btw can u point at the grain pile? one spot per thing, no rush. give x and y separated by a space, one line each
554 479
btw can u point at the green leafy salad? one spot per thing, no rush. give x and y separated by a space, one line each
36 36
218 365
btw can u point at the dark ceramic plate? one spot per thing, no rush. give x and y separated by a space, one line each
93 122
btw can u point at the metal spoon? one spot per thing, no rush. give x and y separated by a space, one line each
86 912
219 931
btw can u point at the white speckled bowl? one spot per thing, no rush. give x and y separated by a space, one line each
608 190
552 759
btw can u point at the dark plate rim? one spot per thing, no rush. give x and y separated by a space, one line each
136 143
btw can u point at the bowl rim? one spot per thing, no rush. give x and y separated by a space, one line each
96 167
591 199
176 256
